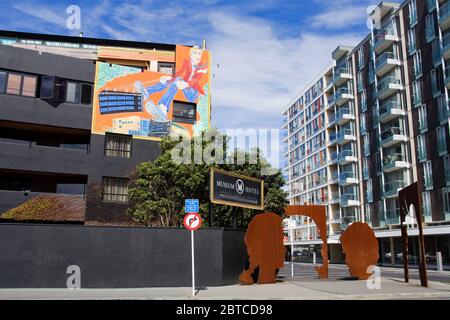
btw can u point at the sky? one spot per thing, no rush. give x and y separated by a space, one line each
263 51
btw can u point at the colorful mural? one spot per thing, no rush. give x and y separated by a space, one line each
139 97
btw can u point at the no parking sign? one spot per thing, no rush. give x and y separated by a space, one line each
192 221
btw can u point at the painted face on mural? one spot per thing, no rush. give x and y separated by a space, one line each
196 56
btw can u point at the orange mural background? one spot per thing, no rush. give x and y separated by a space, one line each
104 122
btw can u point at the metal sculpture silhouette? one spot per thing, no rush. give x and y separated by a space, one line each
410 196
361 249
318 214
265 247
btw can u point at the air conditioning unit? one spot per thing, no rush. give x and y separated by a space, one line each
53 90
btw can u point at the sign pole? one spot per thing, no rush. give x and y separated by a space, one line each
193 263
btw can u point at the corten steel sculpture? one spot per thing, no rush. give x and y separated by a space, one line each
361 249
318 214
265 247
410 196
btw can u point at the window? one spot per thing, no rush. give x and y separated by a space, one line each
115 189
436 51
14 83
411 41
363 100
443 109
369 191
431 30
73 93
423 118
442 143
371 73
446 200
360 80
78 92
434 83
426 204
2 81
70 188
366 144
447 169
166 67
417 64
431 5
428 175
421 148
362 122
361 57
184 112
365 170
417 93
368 214
18 84
118 145
412 13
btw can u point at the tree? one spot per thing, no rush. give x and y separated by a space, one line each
159 188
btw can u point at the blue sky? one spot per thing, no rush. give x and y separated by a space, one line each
264 51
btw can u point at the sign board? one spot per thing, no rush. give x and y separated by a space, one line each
236 190
191 205
192 221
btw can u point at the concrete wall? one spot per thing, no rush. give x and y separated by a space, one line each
37 256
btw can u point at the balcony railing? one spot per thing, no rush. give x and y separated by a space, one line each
388 106
387 81
382 33
340 92
393 216
340 71
342 112
344 132
333 156
347 220
332 137
343 176
386 134
383 59
390 159
446 42
391 188
349 197
444 11
345 153
331 100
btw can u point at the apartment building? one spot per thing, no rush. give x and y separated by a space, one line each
387 125
75 119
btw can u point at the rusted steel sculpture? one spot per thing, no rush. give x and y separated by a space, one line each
265 247
410 196
318 214
361 249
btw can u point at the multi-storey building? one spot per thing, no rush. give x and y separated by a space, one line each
387 125
75 120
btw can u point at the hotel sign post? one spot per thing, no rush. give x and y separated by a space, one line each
236 190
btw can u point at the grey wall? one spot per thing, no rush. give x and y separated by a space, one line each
37 256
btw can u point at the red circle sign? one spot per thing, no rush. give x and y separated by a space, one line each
192 221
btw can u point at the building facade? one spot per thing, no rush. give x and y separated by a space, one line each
73 120
387 126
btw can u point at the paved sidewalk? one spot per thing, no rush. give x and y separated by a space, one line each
287 289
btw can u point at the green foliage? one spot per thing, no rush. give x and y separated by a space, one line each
159 188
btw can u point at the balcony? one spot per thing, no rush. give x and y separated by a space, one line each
392 136
348 178
447 77
332 139
344 115
444 16
341 76
390 110
393 216
385 63
388 86
395 161
346 157
446 47
349 200
331 120
384 39
331 101
334 197
345 136
333 157
391 189
342 96
347 221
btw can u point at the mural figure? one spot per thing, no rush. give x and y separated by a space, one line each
361 249
265 247
187 79
318 214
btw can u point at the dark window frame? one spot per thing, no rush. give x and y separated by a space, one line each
112 134
183 119
166 64
125 196
80 93
22 75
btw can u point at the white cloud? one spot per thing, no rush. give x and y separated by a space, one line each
340 17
